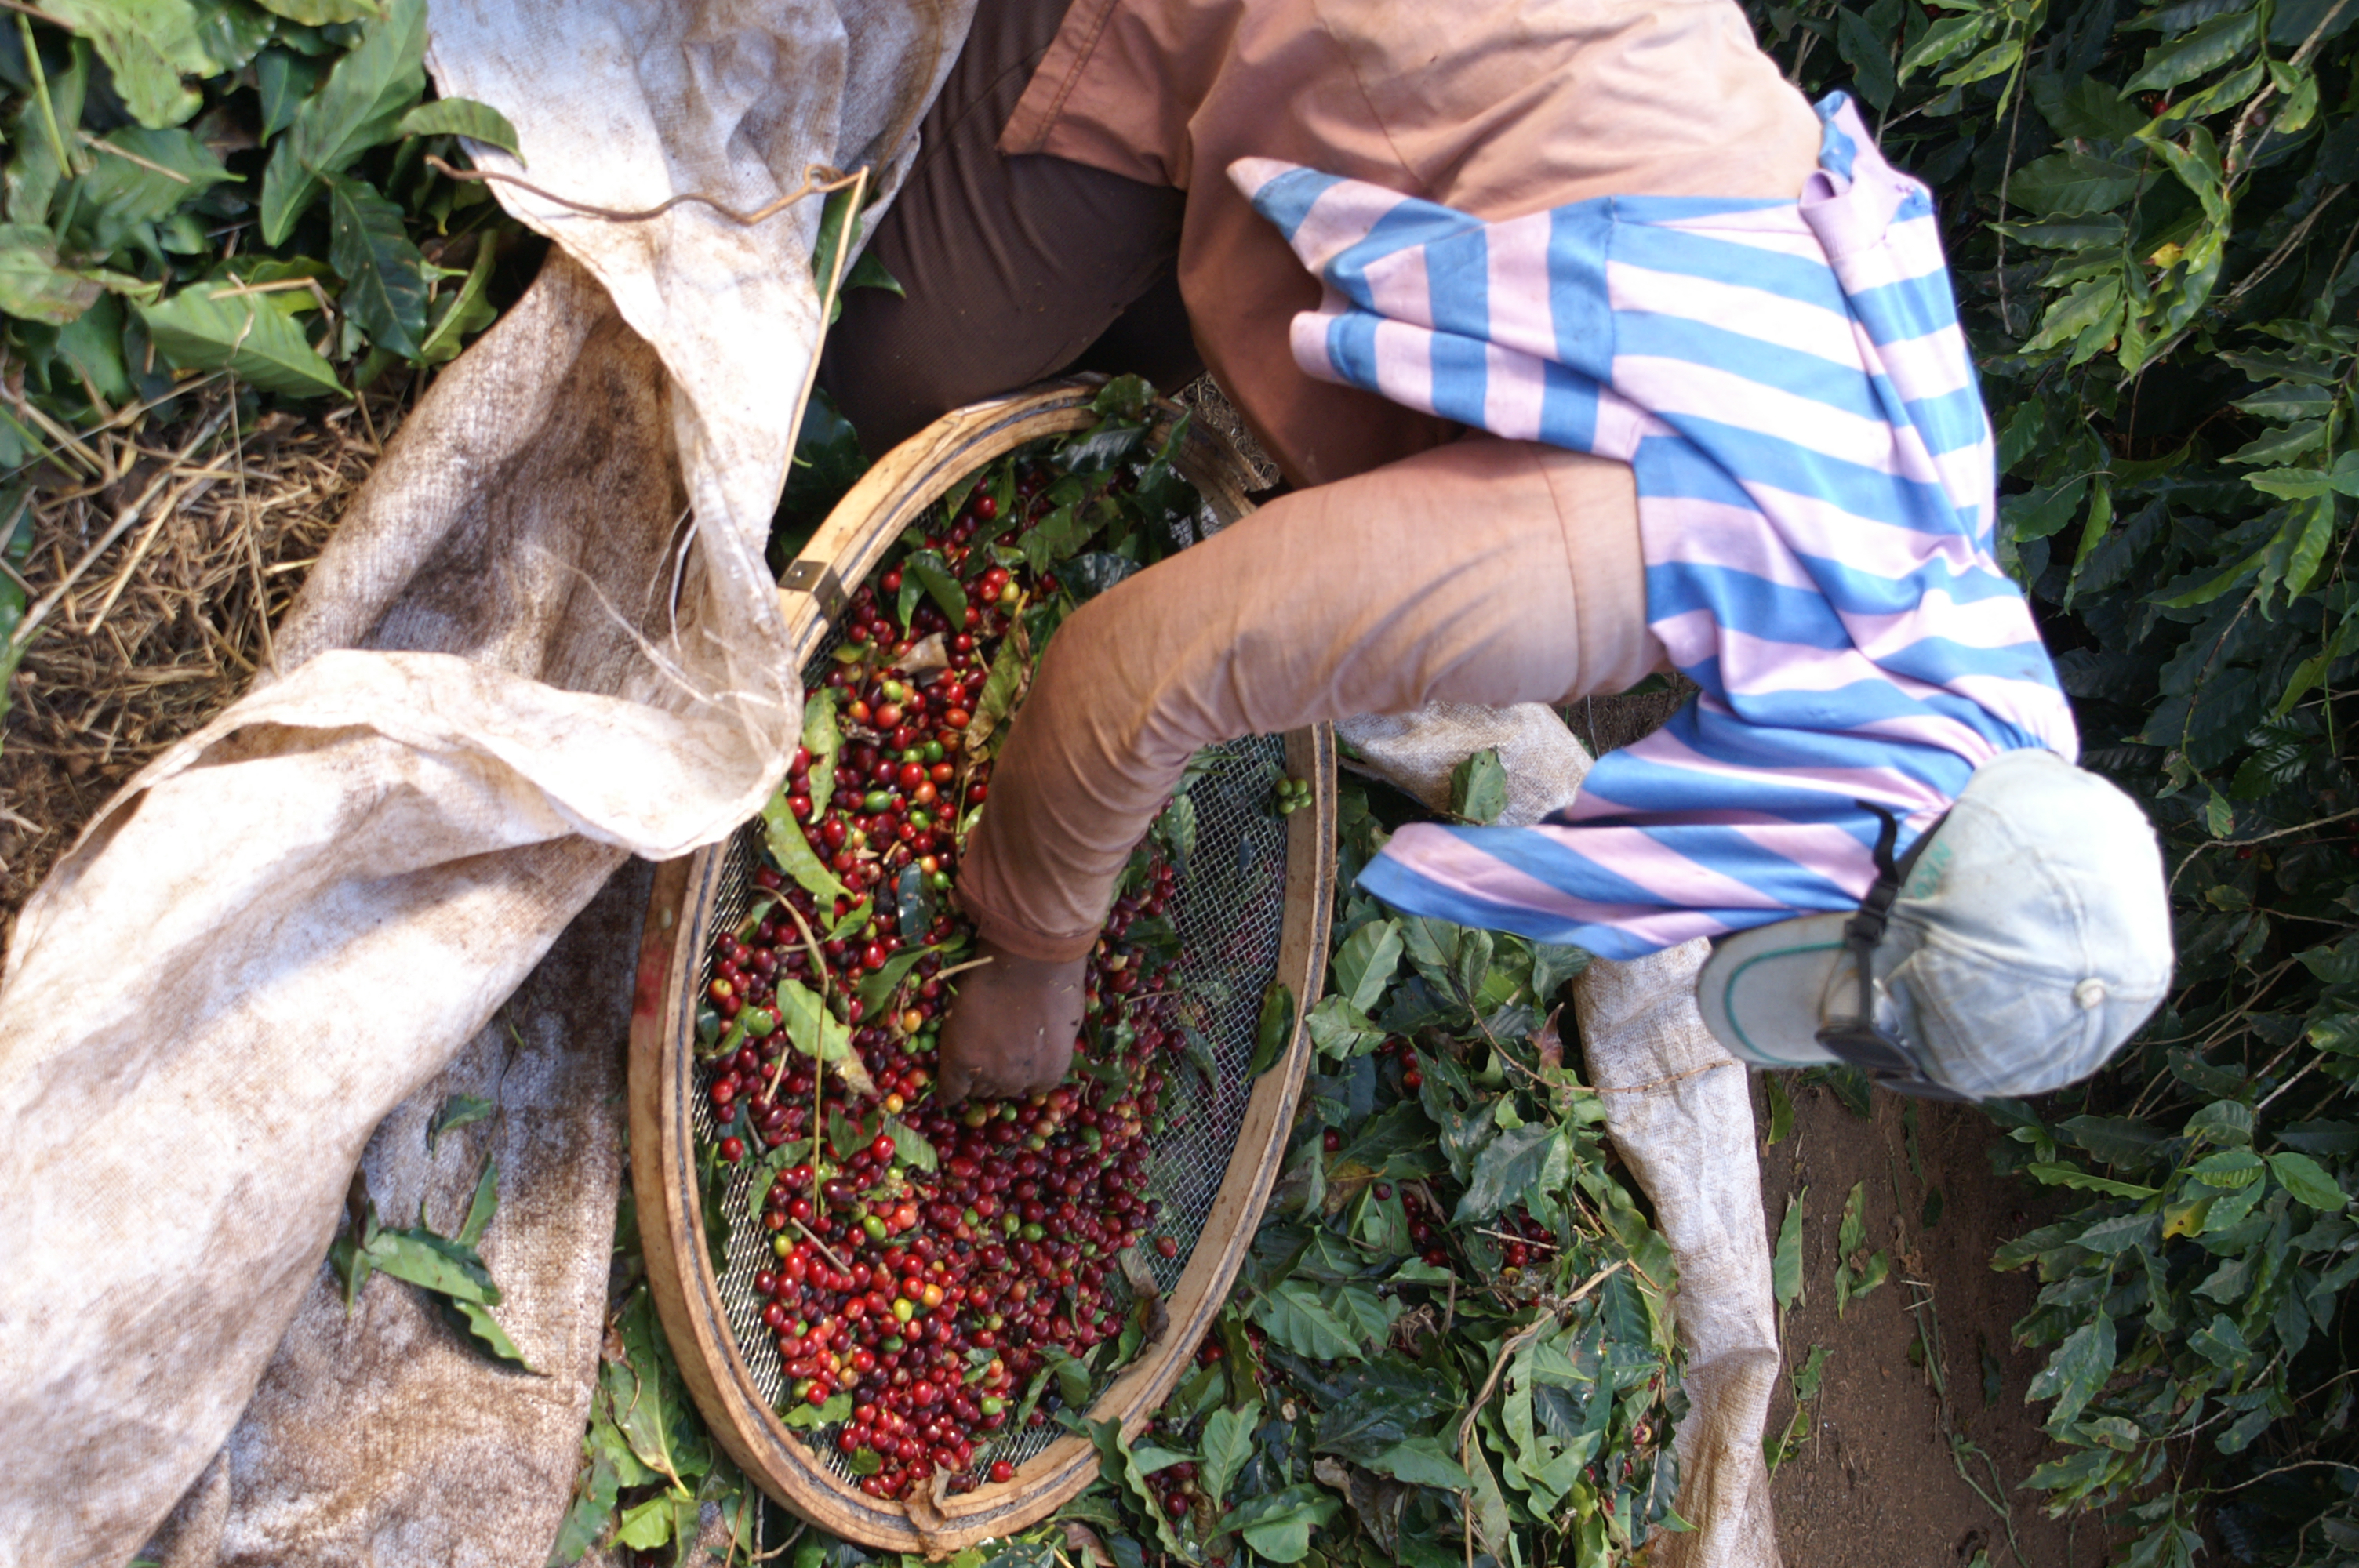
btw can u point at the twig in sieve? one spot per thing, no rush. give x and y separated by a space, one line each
818 967
819 179
962 969
824 1249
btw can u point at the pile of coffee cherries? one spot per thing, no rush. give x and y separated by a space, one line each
924 1260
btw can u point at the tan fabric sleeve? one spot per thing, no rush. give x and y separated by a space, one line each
1485 571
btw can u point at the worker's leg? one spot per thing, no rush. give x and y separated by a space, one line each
1014 266
1488 571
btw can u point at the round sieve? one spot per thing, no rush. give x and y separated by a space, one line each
1251 907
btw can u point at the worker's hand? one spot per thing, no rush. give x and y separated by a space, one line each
1011 1028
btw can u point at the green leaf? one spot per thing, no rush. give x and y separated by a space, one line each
323 12
793 852
475 1321
939 583
647 1526
461 117
2337 965
868 272
459 1112
435 1262
1227 1444
33 286
2211 45
1278 1525
136 177
1420 1462
463 313
810 1027
2307 1180
1950 36
1275 1032
1292 1313
481 1207
1511 1168
147 45
1364 965
2227 1170
2075 1177
2076 1371
385 275
1869 57
1786 1269
2072 185
239 334
359 106
1001 689
1478 788
1781 1109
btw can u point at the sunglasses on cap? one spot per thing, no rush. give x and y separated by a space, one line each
1860 1040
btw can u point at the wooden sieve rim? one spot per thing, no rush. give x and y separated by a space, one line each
846 547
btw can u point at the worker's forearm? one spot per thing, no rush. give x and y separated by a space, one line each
1487 571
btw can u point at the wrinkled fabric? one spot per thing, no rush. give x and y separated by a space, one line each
1678 1113
542 639
380 1434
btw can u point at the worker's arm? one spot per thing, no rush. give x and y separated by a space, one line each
1486 571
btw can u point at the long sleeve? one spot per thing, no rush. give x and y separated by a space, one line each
1484 572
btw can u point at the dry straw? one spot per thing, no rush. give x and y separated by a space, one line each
156 630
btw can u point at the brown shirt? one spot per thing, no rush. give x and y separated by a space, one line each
1495 107
1490 571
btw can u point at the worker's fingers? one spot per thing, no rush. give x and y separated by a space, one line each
1010 1030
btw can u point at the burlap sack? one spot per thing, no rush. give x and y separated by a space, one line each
544 638
380 1436
1677 1110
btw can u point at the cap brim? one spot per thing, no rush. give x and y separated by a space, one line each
1762 991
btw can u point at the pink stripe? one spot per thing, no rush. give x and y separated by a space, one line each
1756 312
1686 531
1931 366
1521 315
1307 337
1689 638
2038 709
1997 622
1782 221
1814 527
1339 220
1398 289
1512 391
1405 364
1823 849
1888 786
1438 855
1662 871
1679 386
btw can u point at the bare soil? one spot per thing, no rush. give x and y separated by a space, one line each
1882 1478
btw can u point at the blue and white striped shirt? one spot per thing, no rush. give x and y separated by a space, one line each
1790 385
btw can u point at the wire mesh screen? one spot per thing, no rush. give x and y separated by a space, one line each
1228 908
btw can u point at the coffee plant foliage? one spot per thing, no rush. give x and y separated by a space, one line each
2150 218
200 191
